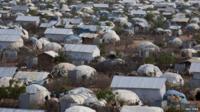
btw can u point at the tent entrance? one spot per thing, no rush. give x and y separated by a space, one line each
197 96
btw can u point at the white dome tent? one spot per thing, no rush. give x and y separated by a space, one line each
195 20
5 81
193 27
79 109
35 95
110 36
44 41
62 69
147 47
127 97
79 96
36 43
176 42
188 52
173 78
149 70
81 73
140 109
52 47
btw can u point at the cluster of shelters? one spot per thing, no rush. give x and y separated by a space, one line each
45 42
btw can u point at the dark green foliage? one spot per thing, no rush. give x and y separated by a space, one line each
159 22
161 59
166 58
33 12
61 58
102 47
150 17
150 60
13 91
105 94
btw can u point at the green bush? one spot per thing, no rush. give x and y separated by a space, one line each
161 59
105 94
13 91
62 58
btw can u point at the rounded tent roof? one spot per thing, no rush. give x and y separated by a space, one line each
175 96
35 88
79 109
173 78
80 96
44 41
80 90
148 45
195 20
62 69
127 97
73 39
189 50
141 109
110 36
52 47
176 42
5 81
65 8
82 70
149 70
193 26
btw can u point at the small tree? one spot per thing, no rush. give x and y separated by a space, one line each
159 22
150 17
105 94
13 91
62 58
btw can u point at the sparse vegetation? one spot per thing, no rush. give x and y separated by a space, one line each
105 94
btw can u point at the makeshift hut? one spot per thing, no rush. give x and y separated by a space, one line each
175 42
173 96
62 69
141 109
78 96
79 109
52 47
110 36
173 78
147 48
34 96
149 70
82 73
127 97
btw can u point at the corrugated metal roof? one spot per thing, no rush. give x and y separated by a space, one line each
194 67
18 110
101 5
28 18
7 71
137 82
9 38
80 48
31 76
61 31
19 7
9 32
72 20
